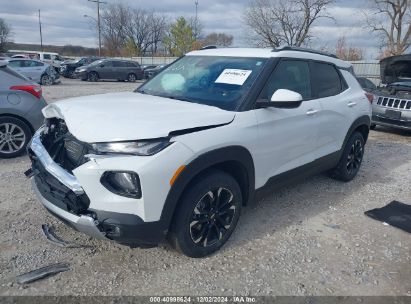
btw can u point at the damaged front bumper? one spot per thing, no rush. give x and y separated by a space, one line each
62 195
44 166
82 223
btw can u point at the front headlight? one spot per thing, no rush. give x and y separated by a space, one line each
142 148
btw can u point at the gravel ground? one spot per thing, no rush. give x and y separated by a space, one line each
310 238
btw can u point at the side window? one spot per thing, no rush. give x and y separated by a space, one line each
117 64
108 64
326 80
291 75
47 56
32 63
16 63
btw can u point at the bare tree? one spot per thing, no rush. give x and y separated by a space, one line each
277 22
5 33
132 31
219 39
158 31
113 24
391 20
349 53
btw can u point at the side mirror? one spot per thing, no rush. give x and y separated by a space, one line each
285 99
101 65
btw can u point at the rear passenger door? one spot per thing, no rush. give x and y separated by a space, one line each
335 118
288 137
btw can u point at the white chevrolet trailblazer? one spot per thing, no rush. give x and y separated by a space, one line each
178 158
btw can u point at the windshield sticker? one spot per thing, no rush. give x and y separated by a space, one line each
233 76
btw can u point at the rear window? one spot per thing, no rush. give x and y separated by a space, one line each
13 73
326 80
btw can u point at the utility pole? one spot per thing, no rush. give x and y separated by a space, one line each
41 35
196 20
98 23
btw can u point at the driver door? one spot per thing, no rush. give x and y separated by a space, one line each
287 137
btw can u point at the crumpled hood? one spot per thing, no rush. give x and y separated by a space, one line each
132 116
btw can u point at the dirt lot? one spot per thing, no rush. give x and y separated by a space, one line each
311 238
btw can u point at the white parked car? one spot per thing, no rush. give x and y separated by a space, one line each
53 59
181 156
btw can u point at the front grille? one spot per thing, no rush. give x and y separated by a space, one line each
62 146
394 103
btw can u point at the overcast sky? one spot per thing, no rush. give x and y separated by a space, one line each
64 22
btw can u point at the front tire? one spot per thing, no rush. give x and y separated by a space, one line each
92 76
351 159
131 77
46 80
14 137
208 214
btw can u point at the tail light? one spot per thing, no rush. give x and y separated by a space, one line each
34 90
369 96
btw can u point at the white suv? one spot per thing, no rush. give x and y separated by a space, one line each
178 158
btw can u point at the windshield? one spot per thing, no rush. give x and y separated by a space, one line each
222 82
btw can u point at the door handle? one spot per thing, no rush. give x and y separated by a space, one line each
352 104
311 112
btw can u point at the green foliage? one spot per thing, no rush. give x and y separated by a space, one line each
181 38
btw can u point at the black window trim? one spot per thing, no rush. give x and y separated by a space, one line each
282 59
343 82
250 102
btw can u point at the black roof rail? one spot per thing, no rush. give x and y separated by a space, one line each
300 49
208 47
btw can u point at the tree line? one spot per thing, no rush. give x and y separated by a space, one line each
128 31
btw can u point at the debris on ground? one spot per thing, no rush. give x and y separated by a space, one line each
42 273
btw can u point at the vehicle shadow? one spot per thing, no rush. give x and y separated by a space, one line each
277 209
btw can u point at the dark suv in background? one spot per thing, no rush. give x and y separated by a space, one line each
68 67
110 69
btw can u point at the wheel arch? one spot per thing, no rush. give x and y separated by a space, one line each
362 125
234 160
19 118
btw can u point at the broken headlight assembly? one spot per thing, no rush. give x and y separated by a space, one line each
141 148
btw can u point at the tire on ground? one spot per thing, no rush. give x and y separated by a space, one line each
194 202
351 159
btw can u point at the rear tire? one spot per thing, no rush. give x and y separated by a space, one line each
207 215
373 126
351 159
14 137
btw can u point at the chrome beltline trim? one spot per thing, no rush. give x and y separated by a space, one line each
52 167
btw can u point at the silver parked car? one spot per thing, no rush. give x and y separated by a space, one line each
21 102
392 103
35 70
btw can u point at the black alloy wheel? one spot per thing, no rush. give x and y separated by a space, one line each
212 217
207 214
351 159
354 158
